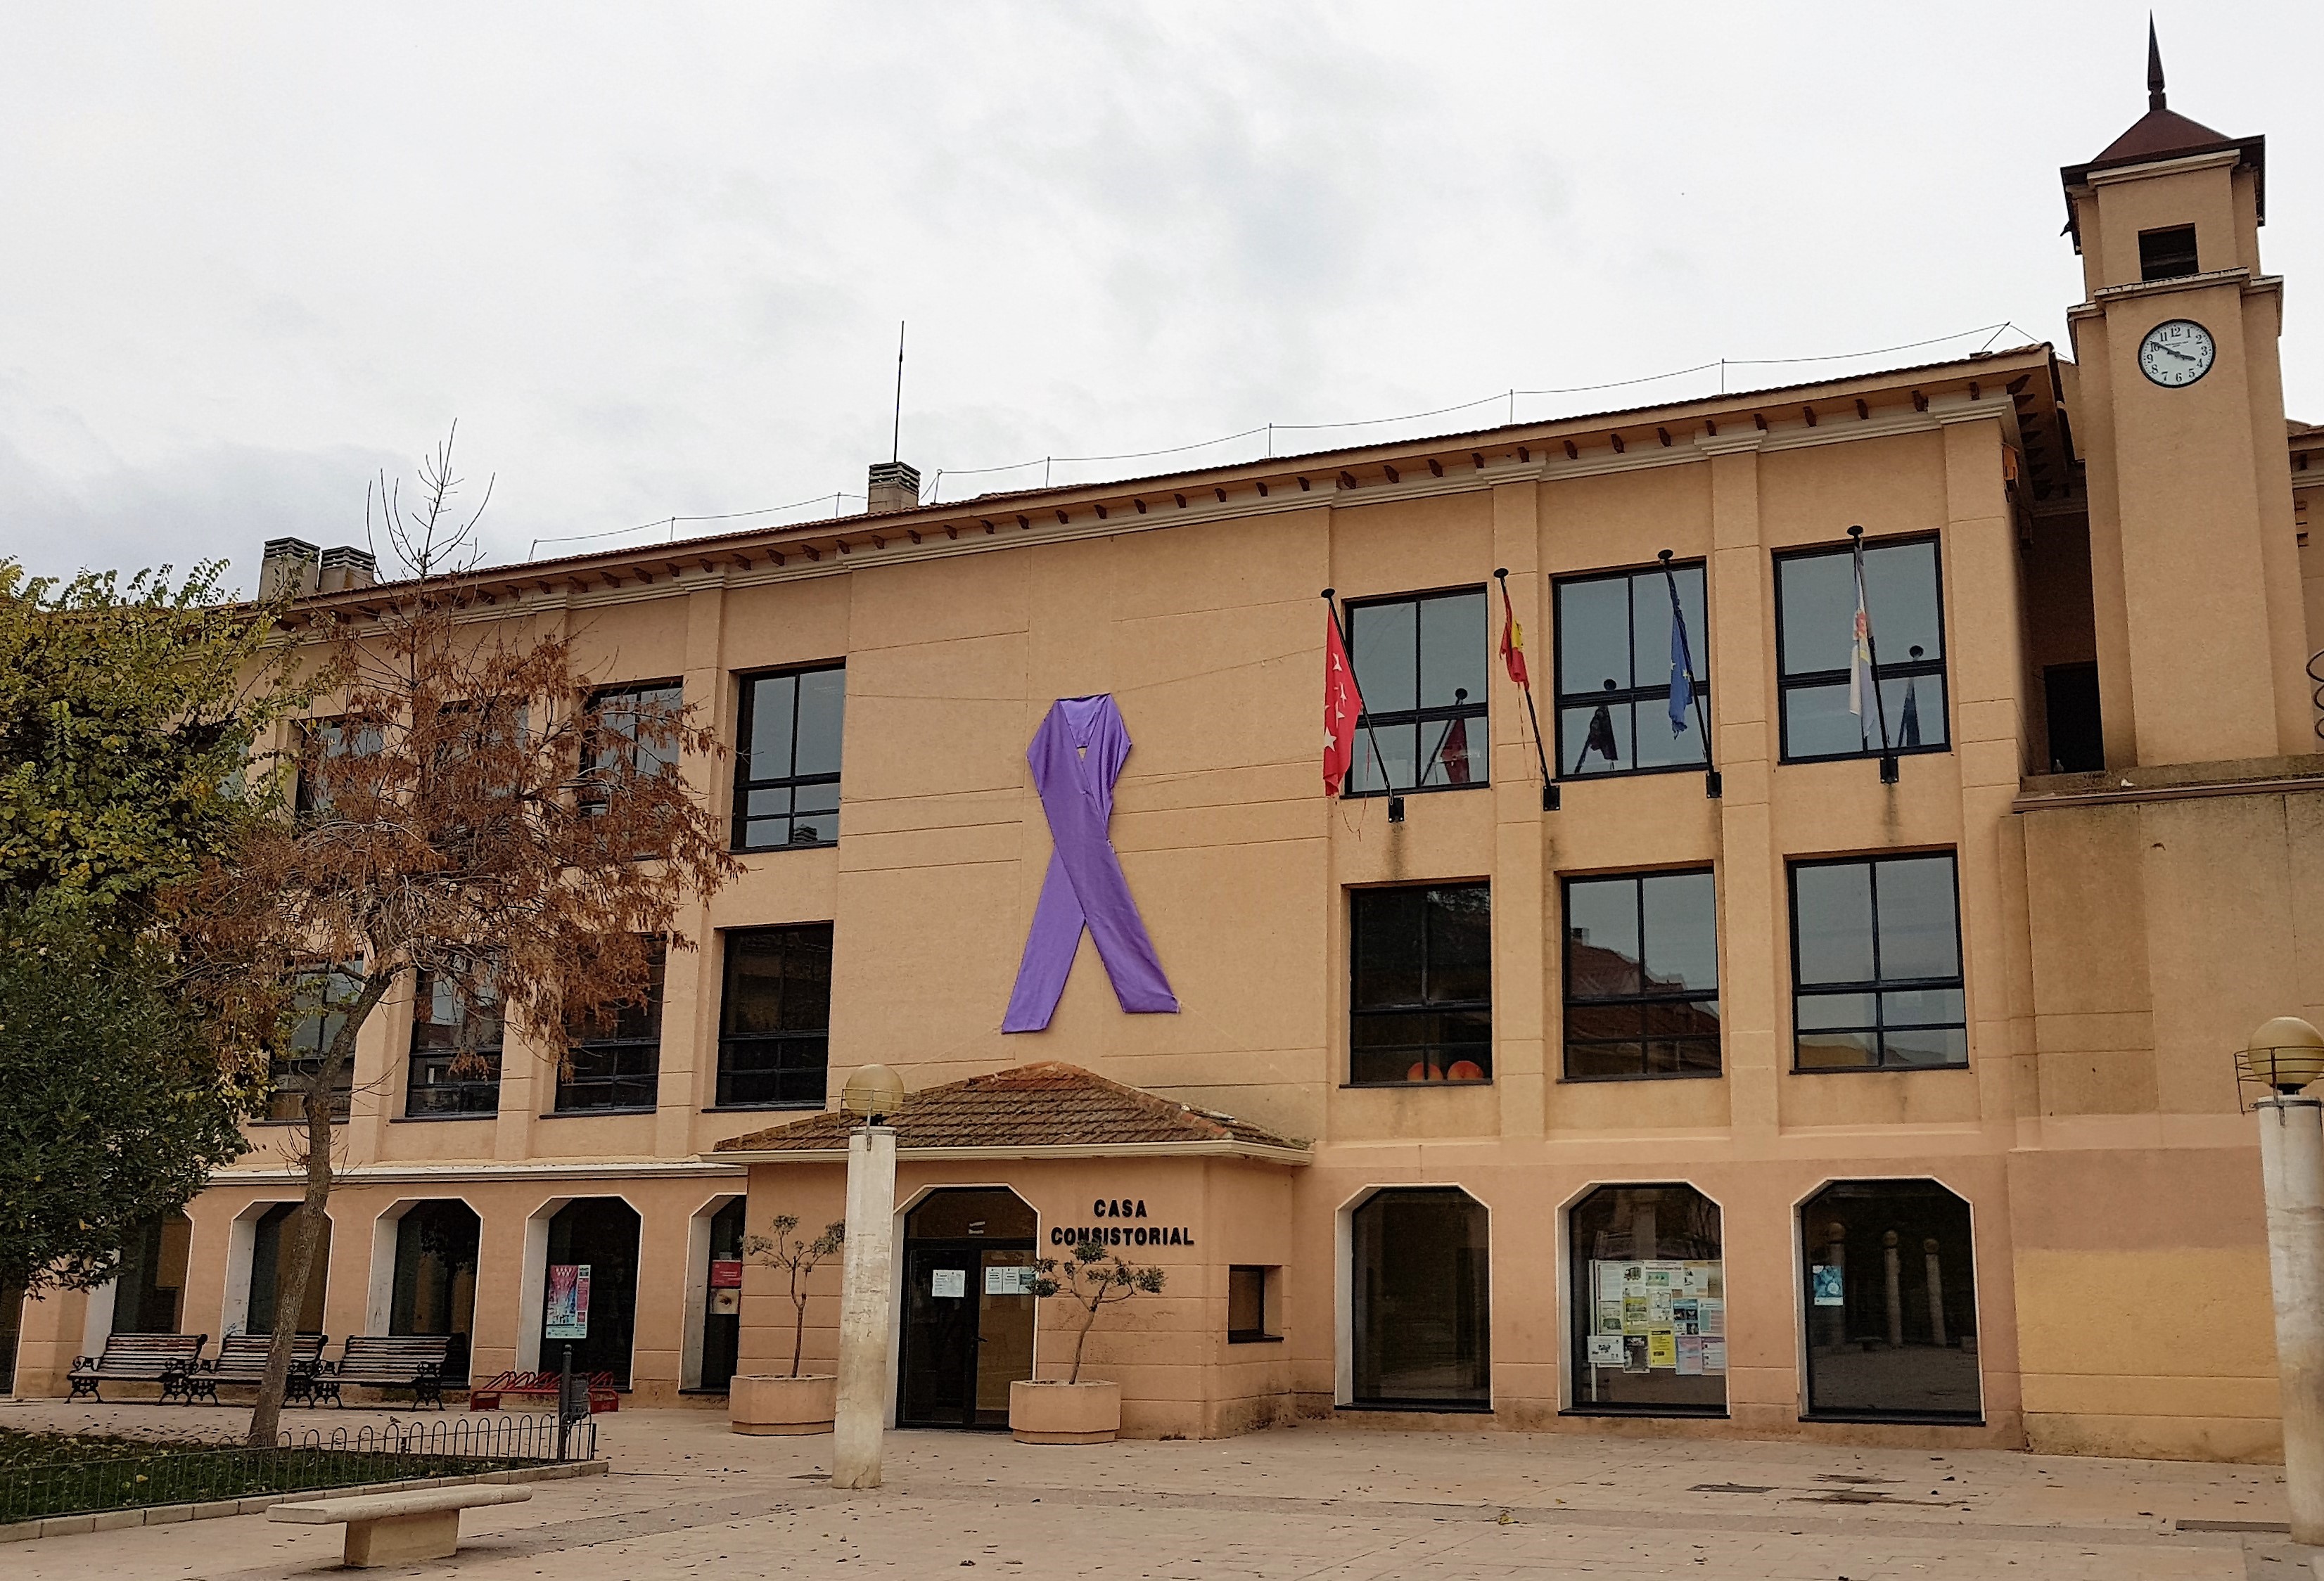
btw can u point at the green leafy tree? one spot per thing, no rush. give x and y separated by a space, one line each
129 714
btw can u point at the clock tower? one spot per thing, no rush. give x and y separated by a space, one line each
2178 406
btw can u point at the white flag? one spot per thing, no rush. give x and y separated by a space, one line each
1860 679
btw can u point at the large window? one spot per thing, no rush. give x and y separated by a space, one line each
786 775
1876 964
1421 980
1890 1298
617 1067
1641 976
774 1020
635 737
1420 1292
319 997
321 743
435 1290
456 1053
1649 1302
1815 635
149 1292
1420 663
589 1289
1616 660
273 1240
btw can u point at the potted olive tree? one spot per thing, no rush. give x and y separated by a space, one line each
769 1403
1067 1410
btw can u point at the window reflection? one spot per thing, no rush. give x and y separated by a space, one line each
1816 608
1421 984
786 776
1615 666
1420 1292
1641 976
1876 965
1420 663
1891 1301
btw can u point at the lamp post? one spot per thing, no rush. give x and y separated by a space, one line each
2286 1055
873 1093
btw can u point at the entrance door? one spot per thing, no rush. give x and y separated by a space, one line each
968 1309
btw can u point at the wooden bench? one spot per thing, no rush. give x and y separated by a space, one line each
397 1529
167 1359
486 1396
242 1359
388 1361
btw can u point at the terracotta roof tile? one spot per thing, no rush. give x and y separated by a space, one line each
1045 1105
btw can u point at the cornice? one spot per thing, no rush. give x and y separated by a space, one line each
451 1168
1253 1151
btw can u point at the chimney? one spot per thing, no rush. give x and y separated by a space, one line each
895 486
345 567
287 569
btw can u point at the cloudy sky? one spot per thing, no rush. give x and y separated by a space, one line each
652 257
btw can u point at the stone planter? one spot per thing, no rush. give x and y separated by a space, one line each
767 1404
1064 1413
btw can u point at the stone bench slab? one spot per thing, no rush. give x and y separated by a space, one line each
396 1528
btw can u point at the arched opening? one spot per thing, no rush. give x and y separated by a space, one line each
590 1295
1891 1301
149 1292
1420 1300
1649 1302
436 1278
722 1297
968 1308
273 1240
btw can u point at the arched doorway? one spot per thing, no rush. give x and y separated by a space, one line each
149 1292
272 1241
1420 1307
590 1295
722 1297
1890 1287
436 1278
968 1308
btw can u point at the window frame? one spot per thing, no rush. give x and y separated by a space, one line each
589 799
1876 987
745 716
1803 1283
1560 699
723 1075
1422 1007
1481 752
464 1086
2157 257
1642 999
616 1046
304 1067
1269 1330
1581 1300
1907 668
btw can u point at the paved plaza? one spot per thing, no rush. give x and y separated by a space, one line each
1322 1502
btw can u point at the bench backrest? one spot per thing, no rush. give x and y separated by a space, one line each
149 1356
244 1355
396 1357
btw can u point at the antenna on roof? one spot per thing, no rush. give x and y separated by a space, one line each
2155 94
895 433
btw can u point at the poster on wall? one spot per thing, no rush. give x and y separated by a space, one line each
1831 1284
1607 1350
568 1314
1010 1278
949 1282
726 1273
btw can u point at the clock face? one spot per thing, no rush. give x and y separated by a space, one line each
2176 353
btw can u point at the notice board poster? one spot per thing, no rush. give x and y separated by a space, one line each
1659 1316
569 1302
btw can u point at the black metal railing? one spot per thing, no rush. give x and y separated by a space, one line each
121 1473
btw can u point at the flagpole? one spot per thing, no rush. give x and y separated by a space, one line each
1872 649
1713 783
1395 798
1549 796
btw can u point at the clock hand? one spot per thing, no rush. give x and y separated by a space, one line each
2174 351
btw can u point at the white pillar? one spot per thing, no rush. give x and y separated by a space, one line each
2291 1173
865 1300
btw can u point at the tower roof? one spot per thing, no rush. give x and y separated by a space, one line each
2163 133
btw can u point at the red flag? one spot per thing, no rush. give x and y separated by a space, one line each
1512 640
1343 704
1453 754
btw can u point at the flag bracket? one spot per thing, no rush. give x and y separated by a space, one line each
1549 798
1714 785
1889 775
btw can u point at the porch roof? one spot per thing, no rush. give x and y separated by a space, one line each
1045 1111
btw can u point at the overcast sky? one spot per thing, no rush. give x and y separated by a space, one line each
652 257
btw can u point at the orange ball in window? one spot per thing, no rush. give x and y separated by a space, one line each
1465 1071
1423 1072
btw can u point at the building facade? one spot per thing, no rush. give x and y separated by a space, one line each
1854 1063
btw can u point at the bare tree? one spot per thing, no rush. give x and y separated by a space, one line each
1092 1279
797 1256
471 812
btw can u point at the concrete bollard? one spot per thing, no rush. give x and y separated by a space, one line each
866 1274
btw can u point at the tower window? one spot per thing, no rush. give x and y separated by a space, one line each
2166 254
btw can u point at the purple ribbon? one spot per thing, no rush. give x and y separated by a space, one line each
1076 756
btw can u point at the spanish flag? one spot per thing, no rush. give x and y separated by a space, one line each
1512 640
